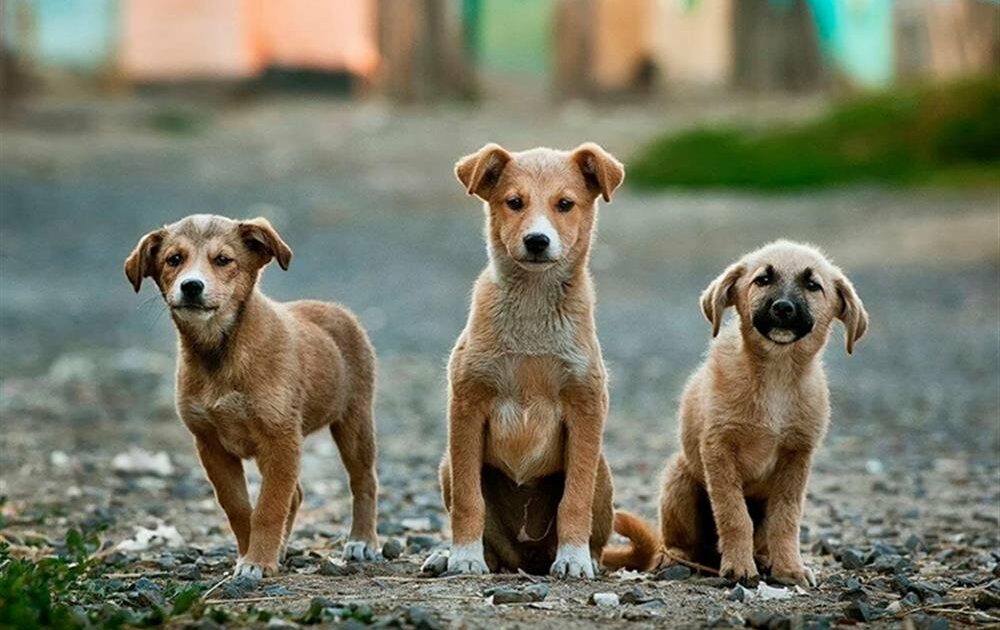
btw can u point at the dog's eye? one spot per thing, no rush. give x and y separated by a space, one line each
565 205
222 260
762 281
515 203
812 285
175 260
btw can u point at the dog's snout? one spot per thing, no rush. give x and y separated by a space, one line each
536 243
783 310
192 288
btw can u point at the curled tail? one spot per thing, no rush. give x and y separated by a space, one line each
644 544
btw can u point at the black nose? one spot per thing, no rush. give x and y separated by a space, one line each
192 288
536 243
783 310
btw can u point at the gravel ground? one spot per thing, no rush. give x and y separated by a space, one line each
902 517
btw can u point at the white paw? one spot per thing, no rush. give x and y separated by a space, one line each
359 551
573 561
248 570
467 559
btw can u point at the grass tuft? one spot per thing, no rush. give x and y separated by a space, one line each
943 134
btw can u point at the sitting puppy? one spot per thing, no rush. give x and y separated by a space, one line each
750 419
254 377
524 477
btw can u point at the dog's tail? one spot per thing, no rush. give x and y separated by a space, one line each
642 550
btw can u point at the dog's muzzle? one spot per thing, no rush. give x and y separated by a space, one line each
784 320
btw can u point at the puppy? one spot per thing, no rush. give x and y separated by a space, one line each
751 418
524 477
254 377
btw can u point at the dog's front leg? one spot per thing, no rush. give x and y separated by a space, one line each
729 508
468 509
225 472
783 517
279 471
584 411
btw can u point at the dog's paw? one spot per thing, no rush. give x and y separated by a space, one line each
794 576
742 570
573 561
467 560
360 551
253 570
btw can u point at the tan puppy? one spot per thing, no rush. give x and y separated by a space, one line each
254 377
750 419
524 477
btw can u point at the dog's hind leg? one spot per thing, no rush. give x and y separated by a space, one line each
680 513
355 438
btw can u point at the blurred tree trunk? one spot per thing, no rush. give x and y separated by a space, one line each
572 48
775 46
422 57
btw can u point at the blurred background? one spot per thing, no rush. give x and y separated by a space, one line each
868 127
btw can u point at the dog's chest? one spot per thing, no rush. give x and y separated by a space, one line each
228 416
524 433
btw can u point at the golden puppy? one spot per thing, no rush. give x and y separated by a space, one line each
524 477
254 377
751 418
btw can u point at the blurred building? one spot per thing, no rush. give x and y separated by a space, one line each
423 49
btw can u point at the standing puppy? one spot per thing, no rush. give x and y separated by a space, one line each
750 419
524 477
254 377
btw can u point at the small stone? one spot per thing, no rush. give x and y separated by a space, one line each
890 563
299 561
604 600
147 592
278 622
507 595
238 588
329 567
435 565
674 572
823 547
760 618
422 619
188 572
910 600
851 559
417 543
715 582
986 600
634 595
740 594
392 549
277 590
166 562
914 542
862 611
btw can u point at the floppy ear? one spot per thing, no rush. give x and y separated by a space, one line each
479 172
260 236
718 296
602 172
852 311
141 263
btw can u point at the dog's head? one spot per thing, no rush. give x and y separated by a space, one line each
206 266
542 203
786 293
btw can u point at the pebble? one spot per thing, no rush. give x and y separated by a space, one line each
509 595
715 582
863 611
634 595
852 559
392 549
422 619
188 572
740 594
147 592
417 543
329 567
277 590
604 600
238 588
675 572
435 565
